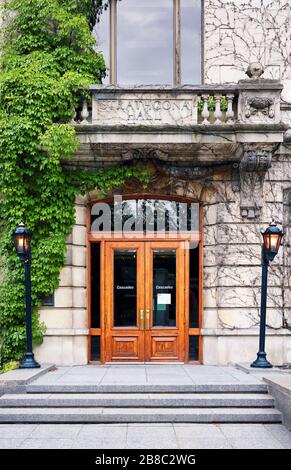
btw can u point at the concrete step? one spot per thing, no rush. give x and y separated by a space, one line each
135 400
139 415
148 388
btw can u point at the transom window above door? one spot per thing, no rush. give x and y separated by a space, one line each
151 42
146 216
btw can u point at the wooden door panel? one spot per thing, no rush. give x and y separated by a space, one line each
146 340
164 348
123 342
126 347
165 342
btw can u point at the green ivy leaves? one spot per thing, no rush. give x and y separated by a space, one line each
47 63
59 141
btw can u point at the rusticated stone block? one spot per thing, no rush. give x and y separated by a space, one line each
63 350
209 298
81 215
79 297
227 350
69 239
66 277
68 255
210 276
210 350
63 297
80 351
210 214
232 297
56 317
80 318
209 319
79 235
79 256
79 277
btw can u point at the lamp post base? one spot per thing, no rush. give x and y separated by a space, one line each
261 361
29 362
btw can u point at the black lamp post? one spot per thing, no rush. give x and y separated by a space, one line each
272 238
21 238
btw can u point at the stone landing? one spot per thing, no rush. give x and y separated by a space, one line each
142 394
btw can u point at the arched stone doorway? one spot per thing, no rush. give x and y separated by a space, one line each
144 279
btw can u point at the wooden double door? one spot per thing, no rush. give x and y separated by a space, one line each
144 301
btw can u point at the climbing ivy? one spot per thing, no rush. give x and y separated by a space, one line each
47 61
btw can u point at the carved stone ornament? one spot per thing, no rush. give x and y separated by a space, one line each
161 161
147 154
255 70
235 177
253 168
260 105
287 136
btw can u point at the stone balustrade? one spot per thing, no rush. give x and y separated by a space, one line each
192 125
156 106
217 108
253 101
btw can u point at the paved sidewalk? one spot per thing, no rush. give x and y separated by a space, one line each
144 436
154 374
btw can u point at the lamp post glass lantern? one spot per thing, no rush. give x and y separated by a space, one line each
272 238
22 238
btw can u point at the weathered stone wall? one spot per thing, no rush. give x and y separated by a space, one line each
231 274
239 32
232 271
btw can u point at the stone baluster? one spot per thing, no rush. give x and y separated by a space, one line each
217 112
205 113
85 112
229 112
73 121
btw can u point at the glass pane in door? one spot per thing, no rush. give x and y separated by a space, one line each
95 285
194 288
125 288
164 288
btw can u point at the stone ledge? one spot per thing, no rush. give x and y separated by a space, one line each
282 383
241 332
67 332
245 367
15 380
109 89
280 388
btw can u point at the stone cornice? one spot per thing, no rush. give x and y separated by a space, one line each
198 129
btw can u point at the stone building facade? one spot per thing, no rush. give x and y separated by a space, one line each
232 157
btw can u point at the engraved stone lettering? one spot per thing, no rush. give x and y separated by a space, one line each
146 110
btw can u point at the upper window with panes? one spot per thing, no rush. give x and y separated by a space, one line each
151 42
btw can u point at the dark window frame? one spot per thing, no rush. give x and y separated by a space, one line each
48 300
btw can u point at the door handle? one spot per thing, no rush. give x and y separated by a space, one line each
141 319
148 312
